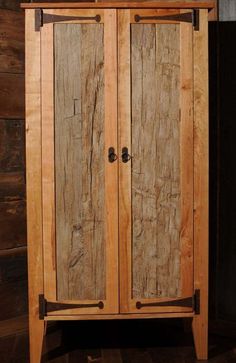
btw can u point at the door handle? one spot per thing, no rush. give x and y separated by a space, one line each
112 155
125 156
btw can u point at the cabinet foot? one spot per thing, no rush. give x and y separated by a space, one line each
37 332
200 335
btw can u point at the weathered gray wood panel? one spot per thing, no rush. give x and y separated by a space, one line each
227 10
79 161
156 160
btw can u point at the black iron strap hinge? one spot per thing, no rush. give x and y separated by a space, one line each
46 307
44 18
189 302
189 17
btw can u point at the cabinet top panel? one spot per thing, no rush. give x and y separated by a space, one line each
184 4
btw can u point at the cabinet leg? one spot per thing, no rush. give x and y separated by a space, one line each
200 335
36 334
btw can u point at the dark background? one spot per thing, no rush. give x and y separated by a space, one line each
13 244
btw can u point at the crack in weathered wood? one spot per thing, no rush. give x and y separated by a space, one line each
79 152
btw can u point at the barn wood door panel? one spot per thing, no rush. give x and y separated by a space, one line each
155 113
80 191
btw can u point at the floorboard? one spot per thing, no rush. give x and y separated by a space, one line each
138 341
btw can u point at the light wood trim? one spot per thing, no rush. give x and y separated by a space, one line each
34 191
48 198
121 316
124 125
213 14
201 170
111 169
186 157
125 5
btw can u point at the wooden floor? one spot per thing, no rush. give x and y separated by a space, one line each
114 342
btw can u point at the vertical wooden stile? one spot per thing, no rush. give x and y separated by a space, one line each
124 118
34 191
111 169
186 156
48 183
201 171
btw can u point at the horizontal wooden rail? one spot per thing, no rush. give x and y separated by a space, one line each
123 5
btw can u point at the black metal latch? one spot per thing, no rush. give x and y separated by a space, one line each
112 155
125 156
48 306
190 302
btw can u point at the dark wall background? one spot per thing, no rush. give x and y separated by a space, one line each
13 262
226 252
13 267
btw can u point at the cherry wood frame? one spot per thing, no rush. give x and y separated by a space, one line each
34 175
164 4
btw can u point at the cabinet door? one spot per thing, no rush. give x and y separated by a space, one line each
155 117
80 185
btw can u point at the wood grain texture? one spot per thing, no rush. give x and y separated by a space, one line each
13 299
156 168
111 356
12 213
201 171
111 169
12 186
11 5
124 117
213 14
34 185
128 304
11 41
170 4
48 189
79 161
12 102
227 10
12 141
186 158
111 203
13 285
120 316
17 325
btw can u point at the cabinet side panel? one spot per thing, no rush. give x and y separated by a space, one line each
79 161
156 197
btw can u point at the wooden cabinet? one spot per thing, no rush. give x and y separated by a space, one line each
117 163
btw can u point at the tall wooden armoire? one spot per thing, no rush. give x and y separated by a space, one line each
117 163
